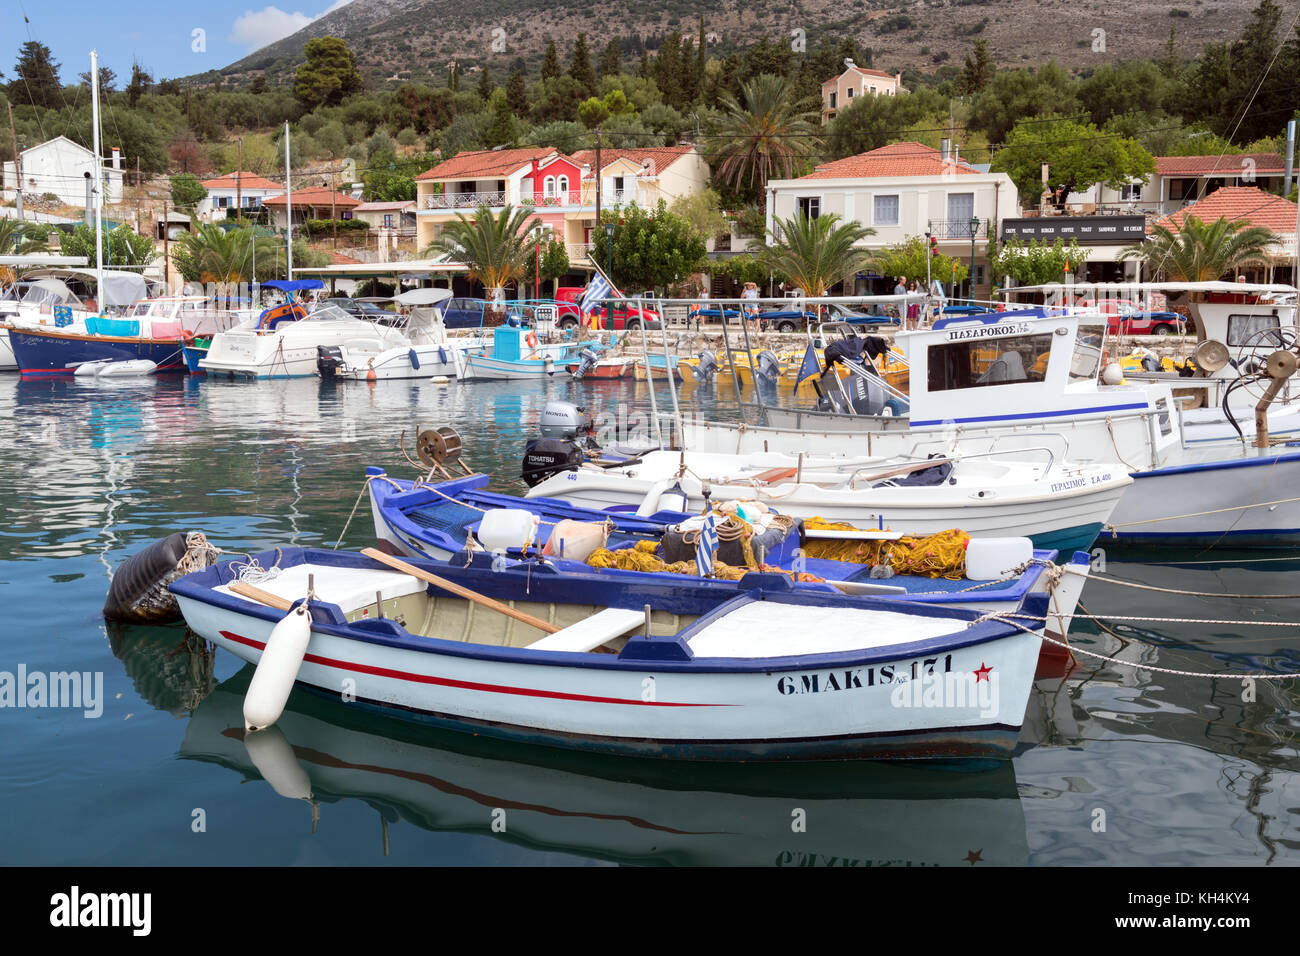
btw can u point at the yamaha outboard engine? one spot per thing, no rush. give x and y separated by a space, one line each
769 366
329 359
708 366
860 394
565 429
586 362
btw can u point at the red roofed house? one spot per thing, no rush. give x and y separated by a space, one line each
839 91
318 202
904 190
539 177
1179 180
226 192
1254 207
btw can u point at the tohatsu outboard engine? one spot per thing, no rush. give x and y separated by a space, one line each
566 436
329 359
586 362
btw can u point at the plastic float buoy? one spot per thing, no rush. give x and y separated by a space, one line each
371 377
550 365
273 757
277 669
441 380
138 593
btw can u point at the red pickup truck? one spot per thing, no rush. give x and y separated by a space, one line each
617 318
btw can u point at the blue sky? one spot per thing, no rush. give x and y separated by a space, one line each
158 33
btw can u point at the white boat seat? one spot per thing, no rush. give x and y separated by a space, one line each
589 633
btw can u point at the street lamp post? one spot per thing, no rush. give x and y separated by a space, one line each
970 284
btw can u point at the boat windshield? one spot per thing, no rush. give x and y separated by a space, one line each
327 312
1087 353
1253 329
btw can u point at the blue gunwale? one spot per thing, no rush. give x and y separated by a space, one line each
543 583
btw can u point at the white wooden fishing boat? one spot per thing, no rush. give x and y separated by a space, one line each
767 674
517 354
1056 504
1199 482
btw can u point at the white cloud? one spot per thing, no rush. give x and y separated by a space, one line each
258 28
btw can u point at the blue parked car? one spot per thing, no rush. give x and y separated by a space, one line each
463 313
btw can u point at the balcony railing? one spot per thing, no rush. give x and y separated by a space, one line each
570 197
578 251
465 200
959 229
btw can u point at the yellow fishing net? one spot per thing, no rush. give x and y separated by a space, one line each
941 555
642 558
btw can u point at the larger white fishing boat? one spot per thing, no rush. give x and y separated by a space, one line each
1006 380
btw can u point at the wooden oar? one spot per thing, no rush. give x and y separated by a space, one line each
244 589
460 591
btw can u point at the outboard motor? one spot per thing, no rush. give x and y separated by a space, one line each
708 366
769 366
329 359
566 434
586 362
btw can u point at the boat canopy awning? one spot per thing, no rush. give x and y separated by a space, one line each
1169 288
414 297
409 269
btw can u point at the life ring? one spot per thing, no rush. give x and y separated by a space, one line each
531 339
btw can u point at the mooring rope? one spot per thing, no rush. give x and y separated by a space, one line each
1006 619
1151 587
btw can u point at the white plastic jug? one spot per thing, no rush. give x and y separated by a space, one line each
988 559
505 528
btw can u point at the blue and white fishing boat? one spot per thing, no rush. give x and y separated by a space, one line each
591 663
517 354
439 520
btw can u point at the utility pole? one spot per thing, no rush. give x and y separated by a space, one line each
139 189
334 219
18 162
167 262
239 184
598 223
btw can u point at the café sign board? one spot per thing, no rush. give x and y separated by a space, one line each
1088 230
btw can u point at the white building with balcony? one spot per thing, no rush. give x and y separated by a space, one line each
901 191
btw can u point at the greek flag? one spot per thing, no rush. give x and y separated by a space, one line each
809 367
597 290
705 546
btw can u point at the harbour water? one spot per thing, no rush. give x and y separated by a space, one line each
1117 763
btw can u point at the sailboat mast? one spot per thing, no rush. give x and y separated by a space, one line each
288 203
99 180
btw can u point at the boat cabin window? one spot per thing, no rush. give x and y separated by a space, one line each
976 363
1250 330
1086 359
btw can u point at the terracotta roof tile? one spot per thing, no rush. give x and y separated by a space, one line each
1248 204
249 180
486 163
1265 164
896 159
316 196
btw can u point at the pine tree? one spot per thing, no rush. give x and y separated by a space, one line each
485 83
643 68
701 60
453 79
978 70
517 90
551 62
611 61
580 66
37 80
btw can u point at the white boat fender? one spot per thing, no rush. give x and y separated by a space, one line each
274 759
277 669
674 499
650 503
550 365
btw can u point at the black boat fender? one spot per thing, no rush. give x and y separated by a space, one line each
138 593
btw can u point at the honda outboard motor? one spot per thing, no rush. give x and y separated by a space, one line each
566 433
586 362
329 359
708 366
769 366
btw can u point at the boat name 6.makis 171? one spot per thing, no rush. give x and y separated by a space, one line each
859 677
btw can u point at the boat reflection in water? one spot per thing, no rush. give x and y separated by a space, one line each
629 810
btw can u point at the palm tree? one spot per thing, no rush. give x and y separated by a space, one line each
1201 252
769 135
226 257
13 243
816 252
498 249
